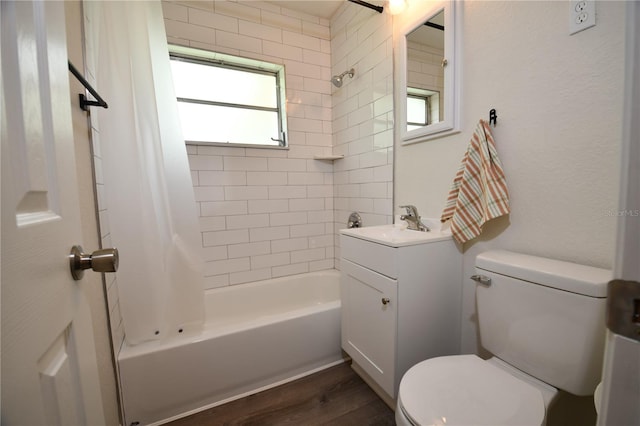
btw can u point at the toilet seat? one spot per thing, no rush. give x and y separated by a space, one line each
464 390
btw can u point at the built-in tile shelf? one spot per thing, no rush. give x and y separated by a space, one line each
328 157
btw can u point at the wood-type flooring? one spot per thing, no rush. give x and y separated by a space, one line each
335 396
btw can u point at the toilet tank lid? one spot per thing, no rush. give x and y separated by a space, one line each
567 276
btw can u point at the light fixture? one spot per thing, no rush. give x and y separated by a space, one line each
395 7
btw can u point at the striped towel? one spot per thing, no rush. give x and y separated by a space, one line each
479 190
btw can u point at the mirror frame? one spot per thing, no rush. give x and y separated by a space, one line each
452 72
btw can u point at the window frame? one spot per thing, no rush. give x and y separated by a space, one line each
427 110
208 58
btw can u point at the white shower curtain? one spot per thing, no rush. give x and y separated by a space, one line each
151 207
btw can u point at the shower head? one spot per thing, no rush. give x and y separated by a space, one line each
337 80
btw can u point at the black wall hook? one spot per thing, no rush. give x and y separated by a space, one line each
493 117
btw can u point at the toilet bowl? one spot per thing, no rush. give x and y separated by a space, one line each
597 398
543 321
467 390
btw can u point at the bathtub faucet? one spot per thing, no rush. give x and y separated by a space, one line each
413 219
355 221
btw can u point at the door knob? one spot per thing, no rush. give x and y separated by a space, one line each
385 300
105 260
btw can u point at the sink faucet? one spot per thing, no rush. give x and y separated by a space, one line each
413 219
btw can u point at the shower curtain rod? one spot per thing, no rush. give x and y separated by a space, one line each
436 26
84 103
378 9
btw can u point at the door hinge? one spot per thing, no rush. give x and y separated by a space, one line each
623 308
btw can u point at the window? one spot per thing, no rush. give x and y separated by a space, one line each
423 107
224 99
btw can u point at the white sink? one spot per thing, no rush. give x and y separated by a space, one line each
397 236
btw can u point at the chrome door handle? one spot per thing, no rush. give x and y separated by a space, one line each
104 260
481 279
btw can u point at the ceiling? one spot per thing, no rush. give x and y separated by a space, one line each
320 8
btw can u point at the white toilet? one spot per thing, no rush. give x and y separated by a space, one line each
544 322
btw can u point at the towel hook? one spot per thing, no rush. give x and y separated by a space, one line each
493 117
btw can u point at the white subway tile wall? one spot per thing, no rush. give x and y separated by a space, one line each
265 213
424 71
362 117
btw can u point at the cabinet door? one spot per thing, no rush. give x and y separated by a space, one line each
369 318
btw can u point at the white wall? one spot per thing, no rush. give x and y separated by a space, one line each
363 115
559 104
264 213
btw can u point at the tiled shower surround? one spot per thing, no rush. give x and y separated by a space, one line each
262 215
267 213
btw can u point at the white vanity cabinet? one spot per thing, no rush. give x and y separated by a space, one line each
401 300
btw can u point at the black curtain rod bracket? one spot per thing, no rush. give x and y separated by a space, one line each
378 9
84 102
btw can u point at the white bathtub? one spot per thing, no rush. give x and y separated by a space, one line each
256 336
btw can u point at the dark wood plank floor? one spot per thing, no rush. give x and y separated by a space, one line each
336 396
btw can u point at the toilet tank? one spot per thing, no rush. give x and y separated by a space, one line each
545 317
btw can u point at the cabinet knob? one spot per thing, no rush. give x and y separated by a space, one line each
385 300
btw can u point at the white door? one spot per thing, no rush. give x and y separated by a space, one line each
49 370
621 376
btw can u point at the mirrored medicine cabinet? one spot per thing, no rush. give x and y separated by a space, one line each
427 64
